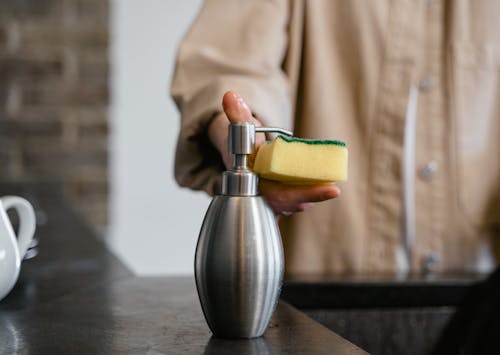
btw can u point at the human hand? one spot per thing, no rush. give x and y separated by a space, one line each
235 110
282 198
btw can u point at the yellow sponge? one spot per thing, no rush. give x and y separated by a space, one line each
302 161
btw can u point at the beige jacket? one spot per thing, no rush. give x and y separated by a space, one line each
424 174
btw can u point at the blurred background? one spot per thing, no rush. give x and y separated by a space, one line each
84 103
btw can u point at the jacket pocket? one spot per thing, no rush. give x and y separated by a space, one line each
475 100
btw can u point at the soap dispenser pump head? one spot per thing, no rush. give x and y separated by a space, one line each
240 180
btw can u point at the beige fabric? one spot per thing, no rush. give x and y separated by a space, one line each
343 70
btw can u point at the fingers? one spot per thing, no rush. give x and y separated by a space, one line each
286 198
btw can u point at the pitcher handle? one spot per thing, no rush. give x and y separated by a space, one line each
27 221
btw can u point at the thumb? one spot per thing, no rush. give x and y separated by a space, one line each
236 109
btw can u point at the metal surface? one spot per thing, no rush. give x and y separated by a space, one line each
240 183
240 180
241 138
239 266
239 256
273 130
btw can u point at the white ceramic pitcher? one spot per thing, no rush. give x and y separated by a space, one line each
12 248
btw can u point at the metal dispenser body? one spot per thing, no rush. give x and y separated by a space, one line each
239 259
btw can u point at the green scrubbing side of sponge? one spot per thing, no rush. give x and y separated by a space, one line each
312 141
302 161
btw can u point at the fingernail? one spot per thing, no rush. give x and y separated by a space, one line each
234 95
239 110
237 97
243 105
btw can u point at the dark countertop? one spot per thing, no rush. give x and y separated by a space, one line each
153 315
75 296
70 256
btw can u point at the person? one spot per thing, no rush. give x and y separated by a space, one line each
412 87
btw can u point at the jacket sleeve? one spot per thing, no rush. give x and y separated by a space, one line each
232 45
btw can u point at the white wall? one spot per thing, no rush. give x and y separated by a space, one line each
154 224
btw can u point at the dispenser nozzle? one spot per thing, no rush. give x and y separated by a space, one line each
240 181
241 136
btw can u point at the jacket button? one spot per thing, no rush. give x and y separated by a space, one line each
430 261
428 171
426 84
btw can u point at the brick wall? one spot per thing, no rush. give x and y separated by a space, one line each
54 97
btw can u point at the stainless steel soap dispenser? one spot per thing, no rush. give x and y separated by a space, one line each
239 259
